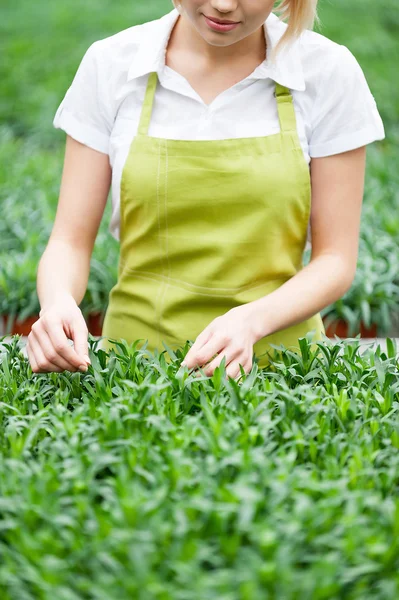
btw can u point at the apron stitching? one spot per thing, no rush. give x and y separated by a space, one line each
200 287
158 312
166 236
232 290
237 154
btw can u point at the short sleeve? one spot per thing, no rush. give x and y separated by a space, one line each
83 112
345 114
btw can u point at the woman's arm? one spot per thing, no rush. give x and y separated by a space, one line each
337 194
65 264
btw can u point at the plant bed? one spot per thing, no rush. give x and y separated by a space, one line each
340 327
12 326
95 320
149 482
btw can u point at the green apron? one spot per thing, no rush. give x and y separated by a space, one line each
207 225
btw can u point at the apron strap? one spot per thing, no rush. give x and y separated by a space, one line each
147 104
285 107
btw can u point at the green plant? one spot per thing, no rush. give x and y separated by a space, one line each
374 294
138 479
18 296
31 151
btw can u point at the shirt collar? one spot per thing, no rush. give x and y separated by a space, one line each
286 70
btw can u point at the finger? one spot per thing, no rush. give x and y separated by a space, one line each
210 350
42 364
198 344
31 357
49 351
80 336
59 341
226 353
235 371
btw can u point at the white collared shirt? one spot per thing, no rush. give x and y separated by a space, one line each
334 107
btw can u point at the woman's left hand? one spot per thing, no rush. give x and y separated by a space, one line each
231 335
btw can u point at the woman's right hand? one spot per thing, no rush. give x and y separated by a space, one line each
48 348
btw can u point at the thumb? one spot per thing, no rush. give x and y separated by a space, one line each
80 341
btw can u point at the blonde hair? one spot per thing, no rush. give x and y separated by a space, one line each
300 15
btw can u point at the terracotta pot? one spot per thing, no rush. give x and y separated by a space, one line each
95 323
340 328
20 328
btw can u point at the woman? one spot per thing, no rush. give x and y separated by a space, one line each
224 144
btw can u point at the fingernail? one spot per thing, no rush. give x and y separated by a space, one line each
183 364
87 359
83 368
